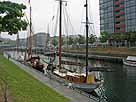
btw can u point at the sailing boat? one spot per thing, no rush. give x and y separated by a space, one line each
85 82
34 60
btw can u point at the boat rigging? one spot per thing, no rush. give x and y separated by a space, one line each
81 81
34 61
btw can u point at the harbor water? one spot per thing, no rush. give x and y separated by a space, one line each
119 85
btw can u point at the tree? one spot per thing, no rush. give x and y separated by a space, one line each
70 40
133 36
116 37
103 37
11 15
81 39
92 38
55 41
123 36
63 42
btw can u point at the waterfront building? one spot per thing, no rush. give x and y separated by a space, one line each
117 16
40 39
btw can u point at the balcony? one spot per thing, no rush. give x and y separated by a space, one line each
120 13
118 2
119 8
120 19
120 25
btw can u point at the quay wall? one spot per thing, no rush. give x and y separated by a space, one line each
95 57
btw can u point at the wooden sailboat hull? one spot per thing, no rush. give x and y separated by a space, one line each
78 85
39 67
35 63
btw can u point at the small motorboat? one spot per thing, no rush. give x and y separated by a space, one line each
130 61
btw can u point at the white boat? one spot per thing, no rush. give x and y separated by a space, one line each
130 61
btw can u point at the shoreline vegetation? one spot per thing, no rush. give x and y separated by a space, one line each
22 87
114 52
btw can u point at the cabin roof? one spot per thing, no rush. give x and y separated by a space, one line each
131 58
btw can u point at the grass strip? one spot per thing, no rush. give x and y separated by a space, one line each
22 87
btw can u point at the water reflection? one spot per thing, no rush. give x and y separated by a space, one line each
119 86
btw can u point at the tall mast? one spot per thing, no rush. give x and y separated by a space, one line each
60 33
30 36
86 5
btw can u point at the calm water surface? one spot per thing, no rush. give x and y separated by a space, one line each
119 86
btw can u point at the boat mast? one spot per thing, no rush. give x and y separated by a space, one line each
60 32
30 36
86 5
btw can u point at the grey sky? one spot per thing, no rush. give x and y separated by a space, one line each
44 10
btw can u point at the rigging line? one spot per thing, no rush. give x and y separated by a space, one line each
54 30
66 21
67 27
55 26
82 18
69 20
92 29
91 18
27 30
70 24
26 17
56 23
54 20
90 14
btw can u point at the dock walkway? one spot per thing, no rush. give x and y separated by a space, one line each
71 94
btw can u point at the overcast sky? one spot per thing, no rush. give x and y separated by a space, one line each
44 10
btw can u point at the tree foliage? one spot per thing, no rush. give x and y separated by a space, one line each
129 36
92 38
104 37
81 39
55 41
11 17
70 40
